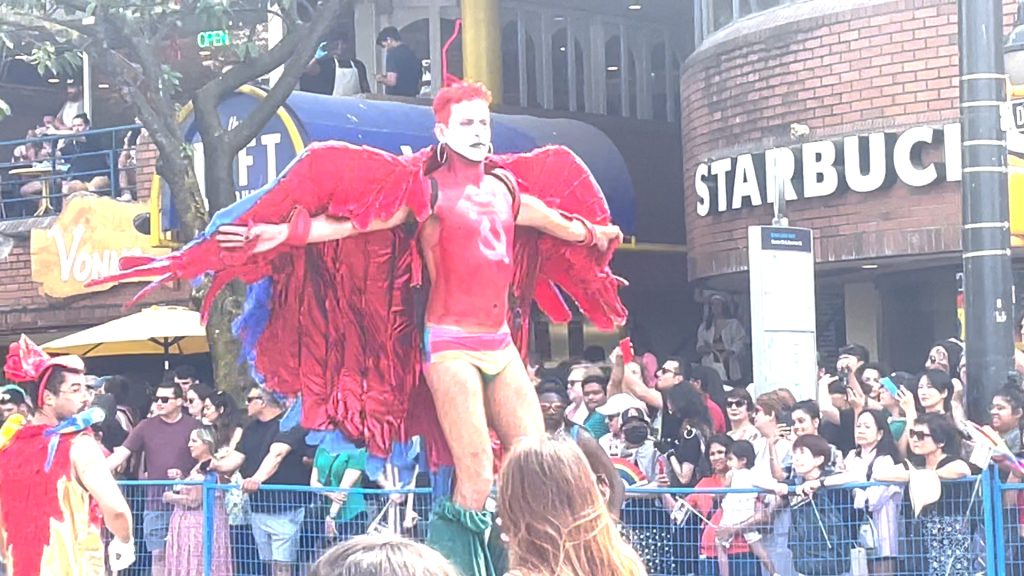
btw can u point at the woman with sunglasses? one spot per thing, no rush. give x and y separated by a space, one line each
940 537
739 410
195 398
221 411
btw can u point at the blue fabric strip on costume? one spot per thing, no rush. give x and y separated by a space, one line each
442 482
230 214
293 416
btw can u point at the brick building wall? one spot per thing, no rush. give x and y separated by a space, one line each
24 309
840 68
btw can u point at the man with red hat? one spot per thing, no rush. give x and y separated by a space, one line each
55 488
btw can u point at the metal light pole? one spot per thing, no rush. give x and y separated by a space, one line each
988 279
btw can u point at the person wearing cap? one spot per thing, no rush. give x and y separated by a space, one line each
13 400
553 401
612 442
53 475
647 514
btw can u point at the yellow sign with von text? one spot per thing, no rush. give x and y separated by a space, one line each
86 242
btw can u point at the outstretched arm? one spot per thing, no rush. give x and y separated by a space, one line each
93 474
298 231
534 213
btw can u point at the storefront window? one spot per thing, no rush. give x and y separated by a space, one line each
717 14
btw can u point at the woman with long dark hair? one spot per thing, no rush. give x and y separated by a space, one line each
221 411
554 516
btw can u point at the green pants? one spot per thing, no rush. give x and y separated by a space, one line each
466 539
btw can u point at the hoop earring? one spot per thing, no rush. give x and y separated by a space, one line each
441 153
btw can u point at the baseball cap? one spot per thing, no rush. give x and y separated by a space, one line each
634 415
618 403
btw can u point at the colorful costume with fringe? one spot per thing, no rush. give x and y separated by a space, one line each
338 323
48 522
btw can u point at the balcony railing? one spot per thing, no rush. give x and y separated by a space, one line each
38 183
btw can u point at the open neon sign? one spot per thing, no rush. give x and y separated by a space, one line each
213 39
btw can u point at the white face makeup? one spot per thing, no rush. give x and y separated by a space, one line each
468 132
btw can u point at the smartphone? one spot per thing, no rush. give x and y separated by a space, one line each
626 347
889 385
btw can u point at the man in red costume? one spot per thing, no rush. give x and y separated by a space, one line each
333 252
475 373
55 488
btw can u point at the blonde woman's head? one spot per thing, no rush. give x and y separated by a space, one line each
554 514
382 555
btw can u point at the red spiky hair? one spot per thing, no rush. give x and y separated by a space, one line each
455 94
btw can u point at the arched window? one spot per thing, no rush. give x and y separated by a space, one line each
676 72
560 68
510 63
512 67
659 82
581 78
613 75
634 77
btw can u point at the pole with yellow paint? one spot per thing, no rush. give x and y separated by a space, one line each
481 44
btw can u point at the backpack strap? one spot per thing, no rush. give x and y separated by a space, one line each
510 182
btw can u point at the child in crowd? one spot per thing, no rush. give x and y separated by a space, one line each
738 508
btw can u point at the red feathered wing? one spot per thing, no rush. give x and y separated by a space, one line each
336 321
545 264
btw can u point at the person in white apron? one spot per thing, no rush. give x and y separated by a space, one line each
332 74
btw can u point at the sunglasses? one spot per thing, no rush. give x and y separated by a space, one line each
666 371
251 399
164 399
736 403
918 435
556 406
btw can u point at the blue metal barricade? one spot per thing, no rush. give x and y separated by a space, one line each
857 529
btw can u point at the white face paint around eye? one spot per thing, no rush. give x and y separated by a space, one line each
468 132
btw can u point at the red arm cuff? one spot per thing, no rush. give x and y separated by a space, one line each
590 238
299 227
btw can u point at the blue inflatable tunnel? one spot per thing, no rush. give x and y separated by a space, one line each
400 128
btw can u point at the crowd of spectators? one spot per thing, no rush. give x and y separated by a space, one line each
789 462
815 487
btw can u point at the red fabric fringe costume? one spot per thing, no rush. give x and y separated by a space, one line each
343 328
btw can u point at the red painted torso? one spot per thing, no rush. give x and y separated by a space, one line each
467 246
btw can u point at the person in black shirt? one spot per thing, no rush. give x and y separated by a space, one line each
404 70
87 158
320 75
268 455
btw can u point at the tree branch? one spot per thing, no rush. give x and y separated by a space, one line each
296 59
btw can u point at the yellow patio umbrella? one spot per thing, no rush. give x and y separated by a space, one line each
162 330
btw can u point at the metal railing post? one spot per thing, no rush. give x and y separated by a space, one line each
209 524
